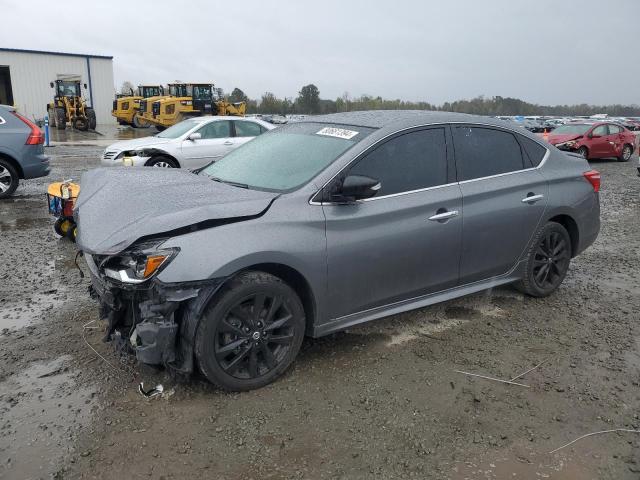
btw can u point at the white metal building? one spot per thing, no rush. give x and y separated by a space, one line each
25 76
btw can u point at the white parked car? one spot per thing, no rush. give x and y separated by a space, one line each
191 143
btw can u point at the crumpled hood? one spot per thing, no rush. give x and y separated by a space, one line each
555 139
137 143
117 206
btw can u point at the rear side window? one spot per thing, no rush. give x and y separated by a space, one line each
411 161
533 150
482 152
247 129
614 129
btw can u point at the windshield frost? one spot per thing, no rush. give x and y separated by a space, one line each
285 158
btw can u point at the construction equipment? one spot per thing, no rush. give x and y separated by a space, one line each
126 106
187 100
61 198
69 106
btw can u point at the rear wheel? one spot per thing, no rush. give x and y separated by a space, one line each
162 162
547 261
61 119
72 232
250 333
8 178
138 122
91 118
583 152
62 226
627 151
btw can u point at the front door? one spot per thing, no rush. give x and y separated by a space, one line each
215 142
599 145
405 241
504 199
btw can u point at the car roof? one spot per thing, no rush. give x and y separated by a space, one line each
389 121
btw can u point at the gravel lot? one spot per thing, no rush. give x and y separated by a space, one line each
378 401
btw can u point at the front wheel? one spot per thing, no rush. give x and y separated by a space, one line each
250 333
583 152
627 151
547 261
91 118
162 162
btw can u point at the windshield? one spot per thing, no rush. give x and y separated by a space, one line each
150 92
286 158
572 129
179 128
202 92
178 90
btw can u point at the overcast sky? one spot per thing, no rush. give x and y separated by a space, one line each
542 51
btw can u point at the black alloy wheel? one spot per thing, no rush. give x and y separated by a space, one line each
547 261
250 333
551 260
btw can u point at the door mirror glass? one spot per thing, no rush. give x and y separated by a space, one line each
195 136
357 187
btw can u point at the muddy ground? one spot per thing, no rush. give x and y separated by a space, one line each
379 401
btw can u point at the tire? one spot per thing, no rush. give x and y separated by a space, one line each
545 270
138 123
72 232
91 118
8 178
62 226
262 352
583 152
61 119
162 162
52 117
160 128
627 151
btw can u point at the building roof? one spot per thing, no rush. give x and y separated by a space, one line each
63 54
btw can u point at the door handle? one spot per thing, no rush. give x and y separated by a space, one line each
532 198
438 217
228 143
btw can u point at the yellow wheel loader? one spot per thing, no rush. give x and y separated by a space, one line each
69 107
126 107
189 100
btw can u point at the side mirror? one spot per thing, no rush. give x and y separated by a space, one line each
194 136
51 84
358 187
84 85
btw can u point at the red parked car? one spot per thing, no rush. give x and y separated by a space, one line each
595 140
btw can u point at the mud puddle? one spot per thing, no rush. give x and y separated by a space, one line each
42 410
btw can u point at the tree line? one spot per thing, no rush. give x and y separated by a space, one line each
308 101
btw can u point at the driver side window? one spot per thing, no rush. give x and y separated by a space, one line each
600 131
216 130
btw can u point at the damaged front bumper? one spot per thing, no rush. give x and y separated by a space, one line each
155 320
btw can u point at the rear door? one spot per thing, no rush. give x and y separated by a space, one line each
245 130
615 140
392 246
504 198
215 142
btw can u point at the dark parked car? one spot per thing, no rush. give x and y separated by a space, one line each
323 224
595 140
21 150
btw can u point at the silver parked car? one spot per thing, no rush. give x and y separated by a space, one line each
191 143
21 150
323 224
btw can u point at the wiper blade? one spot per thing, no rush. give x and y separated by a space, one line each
228 182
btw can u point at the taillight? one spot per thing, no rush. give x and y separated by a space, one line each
593 177
36 136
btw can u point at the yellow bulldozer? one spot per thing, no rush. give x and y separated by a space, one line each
126 108
69 107
187 100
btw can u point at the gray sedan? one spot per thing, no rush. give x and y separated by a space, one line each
324 224
21 150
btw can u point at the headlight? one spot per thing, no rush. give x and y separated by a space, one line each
569 144
138 265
